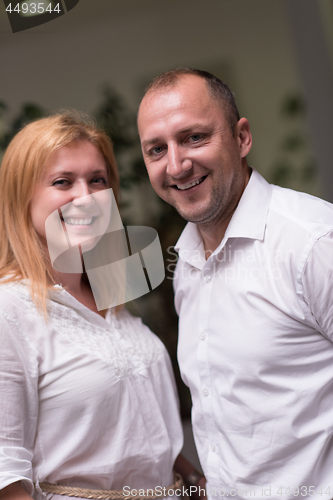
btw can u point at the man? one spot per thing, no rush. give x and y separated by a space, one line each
254 294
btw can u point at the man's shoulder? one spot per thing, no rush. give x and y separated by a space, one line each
301 210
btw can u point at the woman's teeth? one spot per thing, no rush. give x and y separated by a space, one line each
190 184
79 222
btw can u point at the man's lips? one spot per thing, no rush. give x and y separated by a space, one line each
189 185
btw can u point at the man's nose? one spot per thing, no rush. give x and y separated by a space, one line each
178 162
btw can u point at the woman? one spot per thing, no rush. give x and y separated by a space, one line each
87 397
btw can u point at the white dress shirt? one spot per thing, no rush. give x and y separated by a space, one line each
255 346
85 401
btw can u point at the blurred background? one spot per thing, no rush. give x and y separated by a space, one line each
276 55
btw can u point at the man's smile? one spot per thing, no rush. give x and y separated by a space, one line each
183 187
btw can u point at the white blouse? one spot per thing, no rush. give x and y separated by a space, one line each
85 401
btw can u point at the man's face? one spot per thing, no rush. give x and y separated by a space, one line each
194 161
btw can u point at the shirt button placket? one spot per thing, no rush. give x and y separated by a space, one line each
203 335
206 290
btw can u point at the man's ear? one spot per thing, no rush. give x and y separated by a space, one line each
243 136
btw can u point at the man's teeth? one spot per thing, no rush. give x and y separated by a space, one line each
79 222
190 184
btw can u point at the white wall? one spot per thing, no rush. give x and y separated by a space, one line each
125 42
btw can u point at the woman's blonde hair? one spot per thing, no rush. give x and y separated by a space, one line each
22 257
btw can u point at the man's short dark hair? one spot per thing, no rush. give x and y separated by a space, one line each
216 88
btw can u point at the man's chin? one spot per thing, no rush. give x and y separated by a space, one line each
197 213
201 216
196 218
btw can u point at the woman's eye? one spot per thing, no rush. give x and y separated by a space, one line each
99 180
60 182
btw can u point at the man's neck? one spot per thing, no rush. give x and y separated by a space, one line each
212 233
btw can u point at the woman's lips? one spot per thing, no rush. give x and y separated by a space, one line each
82 221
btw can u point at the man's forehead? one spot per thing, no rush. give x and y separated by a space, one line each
179 107
182 86
186 95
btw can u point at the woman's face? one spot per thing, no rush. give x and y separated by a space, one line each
71 189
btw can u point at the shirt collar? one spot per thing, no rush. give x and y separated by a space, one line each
248 221
61 296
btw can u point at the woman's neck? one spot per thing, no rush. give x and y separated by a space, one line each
78 286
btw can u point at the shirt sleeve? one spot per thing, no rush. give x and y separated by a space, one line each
318 284
18 405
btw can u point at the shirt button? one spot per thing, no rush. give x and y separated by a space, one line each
205 391
207 278
213 447
203 335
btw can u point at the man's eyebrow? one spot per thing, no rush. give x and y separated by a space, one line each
193 127
186 130
150 141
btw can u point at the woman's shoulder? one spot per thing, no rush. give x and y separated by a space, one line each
19 289
18 319
16 300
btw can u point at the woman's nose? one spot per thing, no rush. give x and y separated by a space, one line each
82 195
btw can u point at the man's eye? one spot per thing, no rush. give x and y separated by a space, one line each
195 137
156 150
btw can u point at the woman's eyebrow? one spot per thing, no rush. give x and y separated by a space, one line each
70 172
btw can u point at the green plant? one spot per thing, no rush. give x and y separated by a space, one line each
295 165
